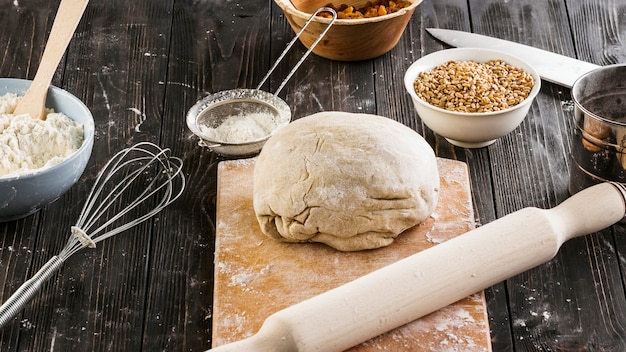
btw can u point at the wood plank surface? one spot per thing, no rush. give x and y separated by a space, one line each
139 65
256 276
548 305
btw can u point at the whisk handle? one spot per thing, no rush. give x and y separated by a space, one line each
28 290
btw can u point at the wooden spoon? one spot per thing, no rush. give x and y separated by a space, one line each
67 18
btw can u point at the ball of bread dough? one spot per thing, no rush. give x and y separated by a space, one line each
351 181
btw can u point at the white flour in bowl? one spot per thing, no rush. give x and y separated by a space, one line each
27 144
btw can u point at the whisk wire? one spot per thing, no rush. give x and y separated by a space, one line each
88 214
164 183
103 178
103 204
168 168
163 202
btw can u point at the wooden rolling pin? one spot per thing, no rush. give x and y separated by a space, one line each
434 278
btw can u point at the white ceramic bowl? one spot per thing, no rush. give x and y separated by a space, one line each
465 129
21 196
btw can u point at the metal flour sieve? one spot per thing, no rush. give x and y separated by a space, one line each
211 112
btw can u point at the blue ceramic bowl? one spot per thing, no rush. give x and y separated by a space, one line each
21 196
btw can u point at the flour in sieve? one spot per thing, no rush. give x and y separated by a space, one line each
27 144
242 128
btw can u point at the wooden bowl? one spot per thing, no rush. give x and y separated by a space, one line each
348 39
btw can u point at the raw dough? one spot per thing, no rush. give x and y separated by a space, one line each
351 181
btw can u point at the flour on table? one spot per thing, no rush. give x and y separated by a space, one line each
28 145
242 128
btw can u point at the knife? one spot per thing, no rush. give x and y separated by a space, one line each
552 67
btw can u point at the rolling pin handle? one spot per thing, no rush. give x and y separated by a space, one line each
622 191
590 210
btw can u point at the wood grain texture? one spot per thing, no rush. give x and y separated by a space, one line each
545 314
101 293
140 65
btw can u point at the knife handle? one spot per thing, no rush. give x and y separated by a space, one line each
434 278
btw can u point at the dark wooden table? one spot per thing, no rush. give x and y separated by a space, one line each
140 65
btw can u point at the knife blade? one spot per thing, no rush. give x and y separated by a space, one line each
552 67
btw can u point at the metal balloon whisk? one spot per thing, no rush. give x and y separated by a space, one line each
133 186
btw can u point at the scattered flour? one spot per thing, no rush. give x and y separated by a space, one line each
28 144
242 128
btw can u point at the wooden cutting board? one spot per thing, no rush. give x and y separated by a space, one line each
256 276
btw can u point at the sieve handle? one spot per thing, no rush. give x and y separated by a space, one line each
28 290
295 68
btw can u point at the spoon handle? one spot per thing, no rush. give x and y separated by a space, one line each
67 18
